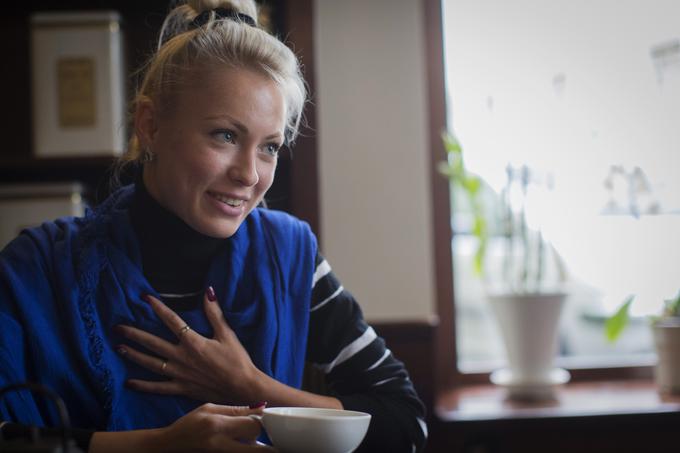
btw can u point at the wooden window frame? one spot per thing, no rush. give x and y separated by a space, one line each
447 374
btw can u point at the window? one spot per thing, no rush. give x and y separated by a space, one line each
586 97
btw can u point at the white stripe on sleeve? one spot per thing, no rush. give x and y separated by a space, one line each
380 360
375 384
348 351
328 299
423 426
321 271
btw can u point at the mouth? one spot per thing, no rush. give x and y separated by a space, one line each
233 202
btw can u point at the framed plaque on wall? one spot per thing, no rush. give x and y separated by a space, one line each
78 84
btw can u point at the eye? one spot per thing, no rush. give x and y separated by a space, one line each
272 149
225 135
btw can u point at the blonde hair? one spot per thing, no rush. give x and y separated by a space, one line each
184 49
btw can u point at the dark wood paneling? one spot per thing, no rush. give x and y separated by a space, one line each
304 173
412 343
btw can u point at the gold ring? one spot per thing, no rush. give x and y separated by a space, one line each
164 366
183 330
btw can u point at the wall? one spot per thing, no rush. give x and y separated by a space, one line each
373 156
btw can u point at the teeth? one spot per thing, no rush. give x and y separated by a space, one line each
230 201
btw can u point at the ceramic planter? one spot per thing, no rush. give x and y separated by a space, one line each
667 341
529 324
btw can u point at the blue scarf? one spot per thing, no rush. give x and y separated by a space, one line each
64 285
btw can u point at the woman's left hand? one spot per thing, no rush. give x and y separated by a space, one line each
217 370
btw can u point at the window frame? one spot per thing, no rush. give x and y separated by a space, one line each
446 373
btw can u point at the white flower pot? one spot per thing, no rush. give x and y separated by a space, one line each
529 324
667 341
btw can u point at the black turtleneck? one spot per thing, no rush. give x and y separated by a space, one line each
175 257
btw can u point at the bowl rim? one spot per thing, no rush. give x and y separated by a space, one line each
322 414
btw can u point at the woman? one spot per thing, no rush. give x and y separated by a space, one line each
179 290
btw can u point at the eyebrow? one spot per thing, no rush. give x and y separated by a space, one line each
240 126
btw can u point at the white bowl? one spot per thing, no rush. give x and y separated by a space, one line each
312 430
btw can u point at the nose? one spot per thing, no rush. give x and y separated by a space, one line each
244 167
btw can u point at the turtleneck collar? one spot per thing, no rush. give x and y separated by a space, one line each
175 257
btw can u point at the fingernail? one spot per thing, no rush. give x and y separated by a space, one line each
121 350
118 329
210 292
146 298
258 405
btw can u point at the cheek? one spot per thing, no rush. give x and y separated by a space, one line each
200 168
266 173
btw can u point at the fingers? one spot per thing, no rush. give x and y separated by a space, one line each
242 428
227 444
171 319
214 314
149 341
155 364
160 387
164 367
254 447
232 411
151 363
259 447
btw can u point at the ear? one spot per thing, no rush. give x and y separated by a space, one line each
146 122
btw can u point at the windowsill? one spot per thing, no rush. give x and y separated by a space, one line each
573 364
602 416
581 399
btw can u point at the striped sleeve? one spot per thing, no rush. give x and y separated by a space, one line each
360 370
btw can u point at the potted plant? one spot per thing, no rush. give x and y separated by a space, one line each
666 332
527 307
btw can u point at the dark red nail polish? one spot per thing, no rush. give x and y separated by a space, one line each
119 329
146 298
210 292
258 405
121 350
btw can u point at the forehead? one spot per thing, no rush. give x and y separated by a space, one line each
244 95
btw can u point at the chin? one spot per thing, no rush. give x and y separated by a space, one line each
219 230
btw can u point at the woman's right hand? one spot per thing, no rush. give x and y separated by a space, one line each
215 428
208 428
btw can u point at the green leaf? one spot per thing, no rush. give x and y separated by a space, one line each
672 306
614 325
451 144
472 184
457 170
478 264
479 227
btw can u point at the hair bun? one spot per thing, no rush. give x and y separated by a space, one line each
247 7
181 18
221 13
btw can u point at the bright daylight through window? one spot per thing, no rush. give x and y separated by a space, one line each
569 111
